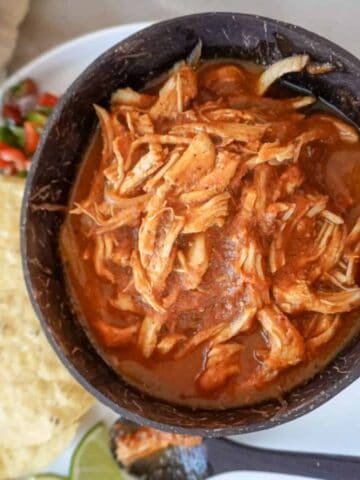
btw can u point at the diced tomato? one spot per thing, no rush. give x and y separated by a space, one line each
47 100
11 155
31 137
23 88
3 163
25 111
12 113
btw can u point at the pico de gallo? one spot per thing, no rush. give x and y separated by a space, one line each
25 112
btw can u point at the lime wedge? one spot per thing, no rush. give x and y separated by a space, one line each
47 476
92 459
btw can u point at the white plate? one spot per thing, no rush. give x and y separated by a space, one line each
334 427
56 69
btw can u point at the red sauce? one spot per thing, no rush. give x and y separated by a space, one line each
330 168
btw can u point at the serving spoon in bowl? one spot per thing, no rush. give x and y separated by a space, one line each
227 455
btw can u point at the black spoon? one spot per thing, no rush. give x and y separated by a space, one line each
226 455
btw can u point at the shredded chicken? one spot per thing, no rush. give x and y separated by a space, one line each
149 332
157 237
142 283
319 329
354 235
227 131
153 138
128 96
169 342
286 343
206 228
223 80
148 164
194 262
198 339
298 296
175 94
212 212
216 181
347 132
242 323
222 363
126 303
196 161
107 134
100 259
222 173
115 337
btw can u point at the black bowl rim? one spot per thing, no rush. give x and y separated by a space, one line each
282 416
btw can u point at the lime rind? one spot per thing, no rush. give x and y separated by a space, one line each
92 459
47 476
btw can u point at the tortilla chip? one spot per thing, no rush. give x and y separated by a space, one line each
39 398
16 462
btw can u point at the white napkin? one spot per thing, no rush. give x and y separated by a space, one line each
12 13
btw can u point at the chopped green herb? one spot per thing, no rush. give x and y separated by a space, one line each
25 87
19 133
7 136
12 135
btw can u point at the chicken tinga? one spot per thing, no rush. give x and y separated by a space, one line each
212 241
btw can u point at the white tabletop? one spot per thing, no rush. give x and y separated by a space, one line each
50 22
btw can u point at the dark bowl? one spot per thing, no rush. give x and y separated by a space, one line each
133 62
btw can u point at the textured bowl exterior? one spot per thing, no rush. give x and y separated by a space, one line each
133 62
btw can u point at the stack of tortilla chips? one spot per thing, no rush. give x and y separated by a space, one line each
40 403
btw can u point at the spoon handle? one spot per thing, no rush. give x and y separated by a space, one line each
227 455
